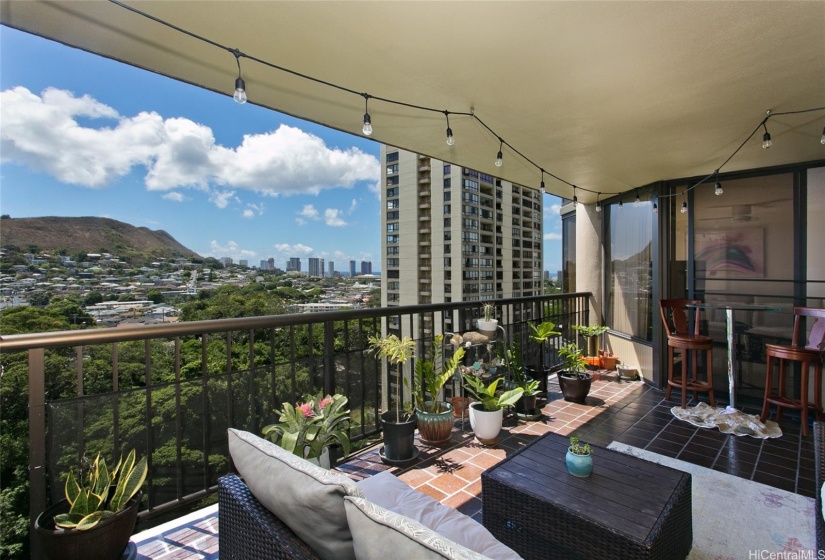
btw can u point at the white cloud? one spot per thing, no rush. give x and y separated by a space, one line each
221 199
300 221
552 210
253 210
43 133
332 217
375 188
309 211
174 196
294 250
231 249
353 205
552 236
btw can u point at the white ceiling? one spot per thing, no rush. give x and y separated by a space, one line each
606 95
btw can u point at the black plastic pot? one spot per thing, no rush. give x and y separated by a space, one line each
526 404
540 375
399 437
106 541
575 388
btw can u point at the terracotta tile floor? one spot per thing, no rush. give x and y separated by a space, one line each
629 412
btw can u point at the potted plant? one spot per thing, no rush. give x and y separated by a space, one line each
98 515
488 326
435 417
573 380
527 404
541 333
579 458
398 426
487 415
592 334
314 429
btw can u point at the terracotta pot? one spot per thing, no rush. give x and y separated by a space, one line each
460 406
608 362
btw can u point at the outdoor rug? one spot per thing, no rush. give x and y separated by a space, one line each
734 518
737 423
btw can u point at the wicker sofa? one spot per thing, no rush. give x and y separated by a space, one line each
285 507
819 468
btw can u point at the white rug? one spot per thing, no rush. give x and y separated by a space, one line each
734 518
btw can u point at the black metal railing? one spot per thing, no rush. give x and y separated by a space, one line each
170 391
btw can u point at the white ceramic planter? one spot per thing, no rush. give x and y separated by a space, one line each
486 425
487 328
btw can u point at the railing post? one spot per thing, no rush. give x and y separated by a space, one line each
329 358
37 442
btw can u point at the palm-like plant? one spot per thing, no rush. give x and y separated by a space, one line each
397 351
431 373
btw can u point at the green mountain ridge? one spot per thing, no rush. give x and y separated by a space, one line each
90 234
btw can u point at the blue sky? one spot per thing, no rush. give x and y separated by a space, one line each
81 135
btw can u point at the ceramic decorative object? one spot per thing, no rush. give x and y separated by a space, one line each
434 428
579 460
486 424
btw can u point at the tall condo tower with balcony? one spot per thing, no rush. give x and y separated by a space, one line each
453 234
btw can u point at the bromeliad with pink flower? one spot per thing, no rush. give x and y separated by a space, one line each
308 427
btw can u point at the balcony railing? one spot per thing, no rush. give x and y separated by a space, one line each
170 391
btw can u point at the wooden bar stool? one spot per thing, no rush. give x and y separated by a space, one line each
674 314
807 356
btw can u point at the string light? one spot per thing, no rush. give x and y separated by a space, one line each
450 139
684 208
367 129
717 187
575 198
598 202
542 181
240 97
621 203
656 205
638 198
240 86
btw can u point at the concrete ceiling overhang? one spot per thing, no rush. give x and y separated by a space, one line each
606 95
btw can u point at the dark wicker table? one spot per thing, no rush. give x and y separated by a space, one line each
628 507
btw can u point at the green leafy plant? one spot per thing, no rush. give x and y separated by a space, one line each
397 351
572 360
589 331
487 393
431 373
307 428
578 448
91 495
530 388
543 331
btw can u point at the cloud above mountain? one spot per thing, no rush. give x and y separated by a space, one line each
53 133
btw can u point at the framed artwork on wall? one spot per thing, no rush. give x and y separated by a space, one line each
731 253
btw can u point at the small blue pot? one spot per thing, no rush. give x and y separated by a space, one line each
579 465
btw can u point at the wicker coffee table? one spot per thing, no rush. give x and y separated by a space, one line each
628 507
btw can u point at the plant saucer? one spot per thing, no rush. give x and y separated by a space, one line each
395 463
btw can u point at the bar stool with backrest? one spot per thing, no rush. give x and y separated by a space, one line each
807 356
680 337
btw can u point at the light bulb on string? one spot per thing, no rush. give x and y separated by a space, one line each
598 203
450 139
621 203
684 207
575 198
766 138
822 140
240 86
367 128
638 198
542 182
499 154
656 205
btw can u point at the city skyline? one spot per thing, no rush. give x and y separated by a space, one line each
83 135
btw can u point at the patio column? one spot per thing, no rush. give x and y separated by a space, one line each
589 258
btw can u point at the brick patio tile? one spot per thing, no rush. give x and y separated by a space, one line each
469 472
448 483
464 502
416 477
432 492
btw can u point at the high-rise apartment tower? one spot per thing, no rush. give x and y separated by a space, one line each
453 234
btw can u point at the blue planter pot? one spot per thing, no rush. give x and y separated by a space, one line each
579 465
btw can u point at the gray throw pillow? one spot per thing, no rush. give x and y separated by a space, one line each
304 496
